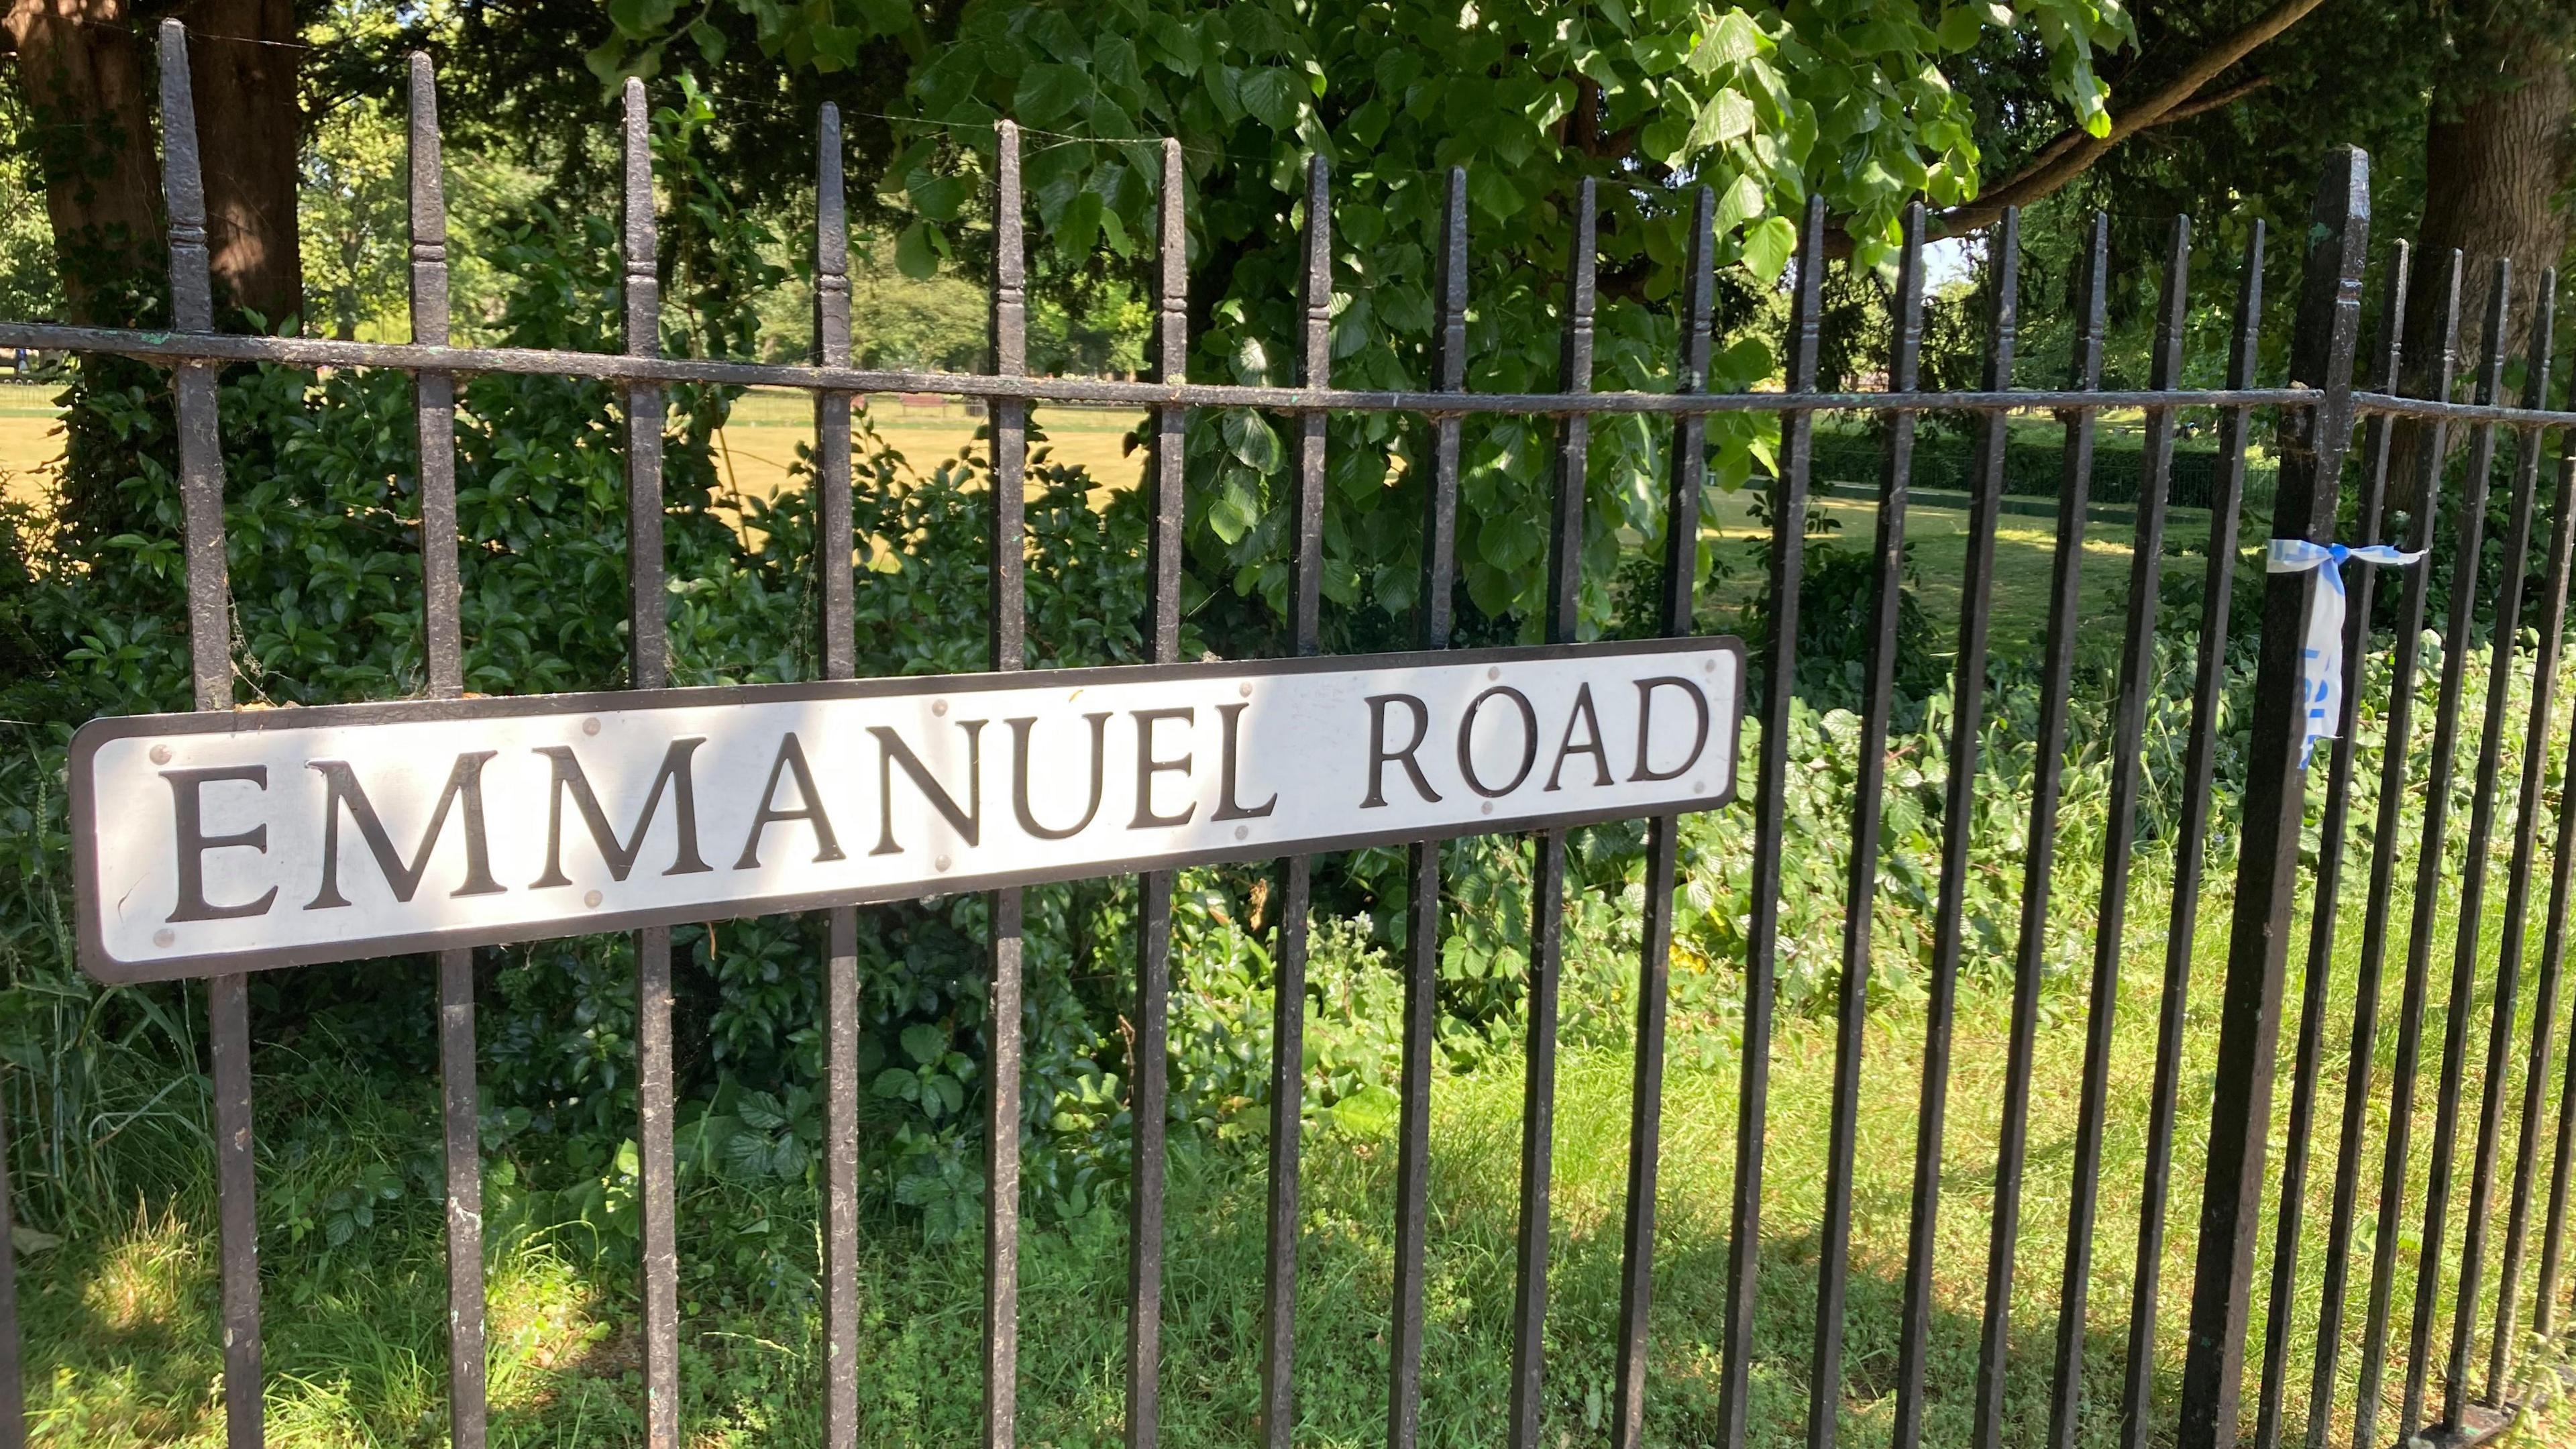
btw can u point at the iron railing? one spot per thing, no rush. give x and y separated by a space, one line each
2317 410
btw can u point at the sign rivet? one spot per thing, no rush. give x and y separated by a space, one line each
160 754
1494 672
1242 832
590 726
164 936
1698 789
1244 689
939 706
590 898
1708 666
1488 807
942 862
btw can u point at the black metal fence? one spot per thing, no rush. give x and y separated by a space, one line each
2197 1402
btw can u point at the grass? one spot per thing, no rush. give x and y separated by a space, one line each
122 1321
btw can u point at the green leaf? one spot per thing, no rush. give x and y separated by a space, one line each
896 1082
711 41
760 1112
1270 94
924 1042
1960 28
1741 201
1369 1113
1767 247
1734 40
913 254
937 198
1493 194
1251 439
1049 92
1728 116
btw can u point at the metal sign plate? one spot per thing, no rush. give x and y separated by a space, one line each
219 842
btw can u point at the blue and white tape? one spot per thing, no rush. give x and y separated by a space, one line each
2321 652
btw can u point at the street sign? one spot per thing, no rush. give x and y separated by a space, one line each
219 842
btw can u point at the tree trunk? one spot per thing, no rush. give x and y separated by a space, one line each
81 69
243 57
2495 168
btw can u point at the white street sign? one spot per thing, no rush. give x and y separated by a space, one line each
221 842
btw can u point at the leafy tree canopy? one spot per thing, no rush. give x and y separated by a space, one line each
1764 106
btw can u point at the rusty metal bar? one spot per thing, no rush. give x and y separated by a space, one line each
649 667
442 653
835 542
1006 556
1688 472
1762 956
315 352
1148 1099
1547 871
201 492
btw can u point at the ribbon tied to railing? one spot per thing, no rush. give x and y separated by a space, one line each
2321 646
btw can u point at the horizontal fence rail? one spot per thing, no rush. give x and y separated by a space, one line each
2472 1253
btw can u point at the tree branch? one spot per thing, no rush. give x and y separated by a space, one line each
2072 152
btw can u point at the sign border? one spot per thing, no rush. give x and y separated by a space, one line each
86 742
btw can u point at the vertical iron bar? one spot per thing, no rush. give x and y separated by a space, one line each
2312 444
2526 845
1006 558
1958 813
2544 1312
2084 372
2471 529
2508 979
442 651
835 541
2361 586
1762 947
1860 892
1148 1109
2393 794
1421 1018
201 493
2137 672
650 668
1663 847
1288 990
1547 872
2138 1377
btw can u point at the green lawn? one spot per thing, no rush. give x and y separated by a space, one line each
123 1330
